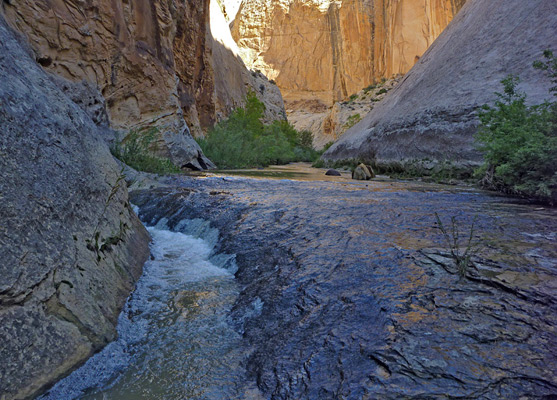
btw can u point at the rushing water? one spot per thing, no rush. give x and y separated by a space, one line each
174 341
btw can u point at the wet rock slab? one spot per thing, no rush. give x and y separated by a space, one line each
349 293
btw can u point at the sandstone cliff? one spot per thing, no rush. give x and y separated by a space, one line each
329 49
431 114
156 63
71 249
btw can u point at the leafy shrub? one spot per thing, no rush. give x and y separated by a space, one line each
370 88
306 139
243 141
327 146
519 142
353 97
352 120
134 151
382 91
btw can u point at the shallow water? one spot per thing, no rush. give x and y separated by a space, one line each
357 297
342 290
174 341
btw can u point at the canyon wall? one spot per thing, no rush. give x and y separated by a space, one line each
156 63
432 113
328 50
71 248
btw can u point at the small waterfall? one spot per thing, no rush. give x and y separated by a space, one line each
174 341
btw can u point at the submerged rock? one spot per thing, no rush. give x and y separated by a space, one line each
71 248
333 172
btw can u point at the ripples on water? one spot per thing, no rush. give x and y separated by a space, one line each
174 341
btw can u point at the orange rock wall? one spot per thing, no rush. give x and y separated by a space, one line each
331 49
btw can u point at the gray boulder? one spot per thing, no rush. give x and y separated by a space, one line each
431 114
71 248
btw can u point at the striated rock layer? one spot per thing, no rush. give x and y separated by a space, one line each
331 49
71 248
431 114
156 63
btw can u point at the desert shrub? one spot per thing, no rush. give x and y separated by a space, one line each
382 91
327 146
306 139
243 141
519 142
370 88
352 120
135 151
461 251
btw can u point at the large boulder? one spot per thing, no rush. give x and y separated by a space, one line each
71 248
363 173
432 115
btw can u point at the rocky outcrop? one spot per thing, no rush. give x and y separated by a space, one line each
71 248
431 114
328 124
152 61
328 49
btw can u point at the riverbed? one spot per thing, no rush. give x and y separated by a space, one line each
314 287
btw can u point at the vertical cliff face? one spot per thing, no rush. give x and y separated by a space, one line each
330 49
71 248
152 61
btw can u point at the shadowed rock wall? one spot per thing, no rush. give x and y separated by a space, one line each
431 114
71 248
152 61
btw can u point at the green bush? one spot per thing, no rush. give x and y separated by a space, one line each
134 150
370 88
352 120
519 142
243 141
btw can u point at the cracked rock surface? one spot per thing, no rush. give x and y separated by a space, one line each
348 291
71 248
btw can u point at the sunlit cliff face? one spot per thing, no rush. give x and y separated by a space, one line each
330 49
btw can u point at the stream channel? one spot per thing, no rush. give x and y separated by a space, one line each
286 284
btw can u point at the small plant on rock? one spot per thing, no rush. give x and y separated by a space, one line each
135 151
461 252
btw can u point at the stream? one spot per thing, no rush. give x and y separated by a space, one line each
285 284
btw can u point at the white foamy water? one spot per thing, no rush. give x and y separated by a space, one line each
174 341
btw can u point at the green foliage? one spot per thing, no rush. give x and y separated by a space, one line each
353 98
550 66
134 151
327 146
370 88
243 141
519 142
352 120
382 91
306 139
460 252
